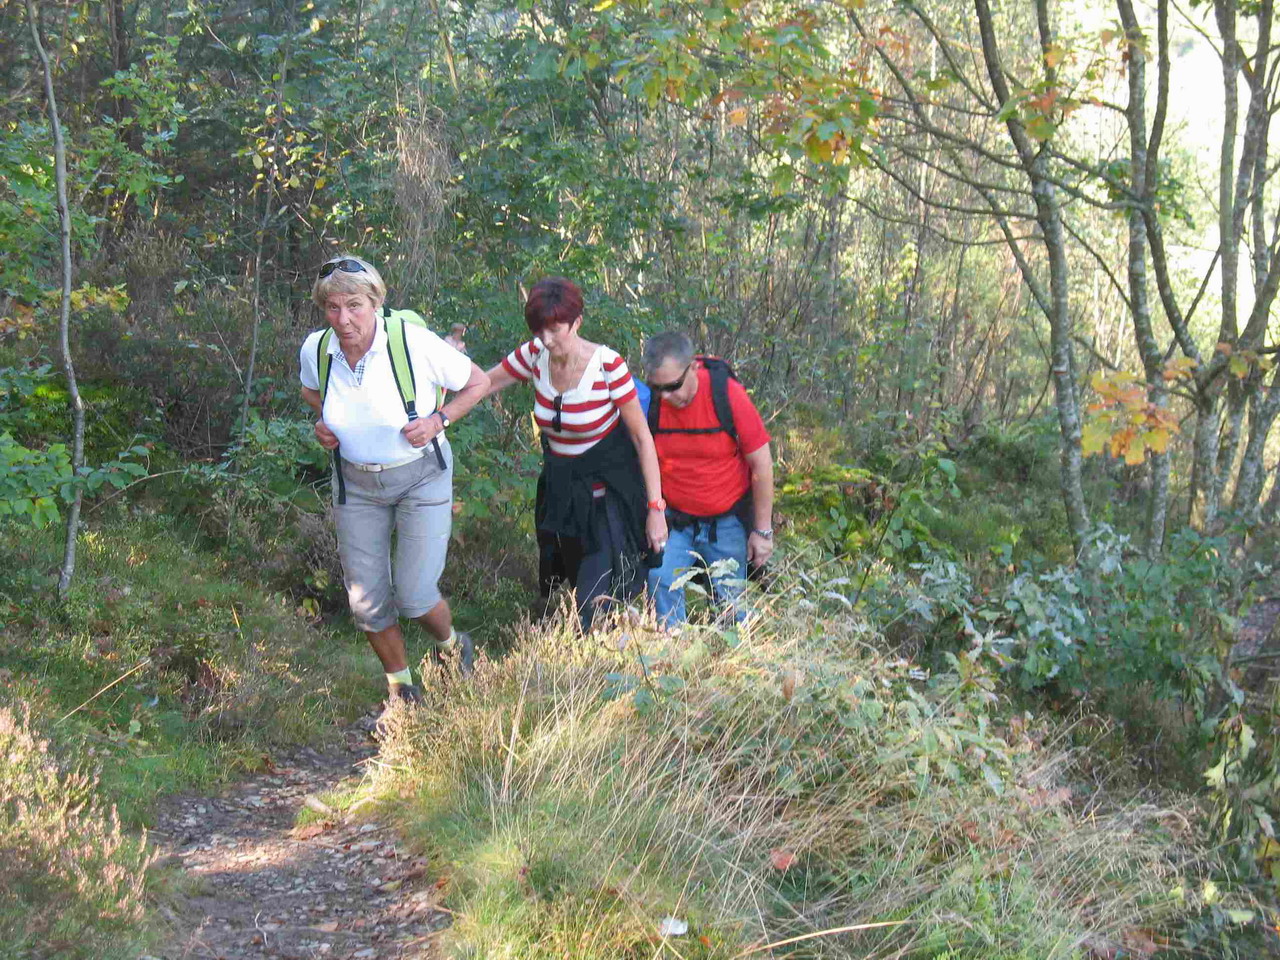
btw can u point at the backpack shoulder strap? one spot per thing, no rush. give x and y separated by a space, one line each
409 318
655 405
401 364
324 363
720 372
402 369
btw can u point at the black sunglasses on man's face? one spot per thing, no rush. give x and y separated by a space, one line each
671 387
346 266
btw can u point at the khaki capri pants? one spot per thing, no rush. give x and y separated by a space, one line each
415 502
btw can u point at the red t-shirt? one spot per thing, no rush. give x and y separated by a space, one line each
705 474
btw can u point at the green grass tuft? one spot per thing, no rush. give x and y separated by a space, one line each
760 786
216 672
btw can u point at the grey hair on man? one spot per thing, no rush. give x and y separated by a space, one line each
668 345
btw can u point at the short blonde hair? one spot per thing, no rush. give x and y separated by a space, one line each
367 281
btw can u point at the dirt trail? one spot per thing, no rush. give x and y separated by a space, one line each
261 888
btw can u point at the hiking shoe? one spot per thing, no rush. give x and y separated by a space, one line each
379 725
410 693
460 654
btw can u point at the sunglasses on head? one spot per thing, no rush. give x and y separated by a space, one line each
671 387
346 266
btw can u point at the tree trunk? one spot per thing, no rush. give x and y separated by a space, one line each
1272 506
1139 294
64 314
1202 510
1034 162
1262 414
1229 444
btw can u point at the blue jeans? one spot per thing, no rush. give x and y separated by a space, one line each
683 549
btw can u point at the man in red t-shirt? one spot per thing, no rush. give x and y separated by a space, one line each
717 474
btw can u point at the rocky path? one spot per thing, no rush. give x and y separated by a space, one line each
258 886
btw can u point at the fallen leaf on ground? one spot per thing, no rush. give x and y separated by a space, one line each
781 858
312 830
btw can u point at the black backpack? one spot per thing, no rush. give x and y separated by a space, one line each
721 373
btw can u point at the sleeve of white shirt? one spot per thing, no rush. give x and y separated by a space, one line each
308 372
436 361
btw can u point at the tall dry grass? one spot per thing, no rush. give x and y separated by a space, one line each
788 781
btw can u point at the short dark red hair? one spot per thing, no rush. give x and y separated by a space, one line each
551 301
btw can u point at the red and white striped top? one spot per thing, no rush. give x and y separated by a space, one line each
589 411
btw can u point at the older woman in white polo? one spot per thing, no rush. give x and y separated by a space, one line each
393 472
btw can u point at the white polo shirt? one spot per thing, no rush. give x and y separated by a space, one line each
368 416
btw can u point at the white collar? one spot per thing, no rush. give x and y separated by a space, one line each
379 340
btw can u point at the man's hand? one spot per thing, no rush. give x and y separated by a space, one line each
328 439
655 528
419 432
759 550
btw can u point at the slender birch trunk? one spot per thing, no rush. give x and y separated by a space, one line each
1139 291
64 313
1262 415
1034 161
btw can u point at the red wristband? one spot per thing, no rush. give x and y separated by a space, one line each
658 504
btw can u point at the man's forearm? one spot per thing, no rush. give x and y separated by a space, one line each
761 464
762 497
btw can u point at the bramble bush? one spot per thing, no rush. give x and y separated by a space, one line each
1125 619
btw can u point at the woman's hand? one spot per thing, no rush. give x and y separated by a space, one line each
420 432
656 529
328 439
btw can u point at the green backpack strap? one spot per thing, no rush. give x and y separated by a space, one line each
395 322
324 365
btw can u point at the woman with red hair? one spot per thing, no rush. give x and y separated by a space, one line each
600 508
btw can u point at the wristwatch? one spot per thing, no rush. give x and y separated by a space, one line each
658 504
444 418
767 534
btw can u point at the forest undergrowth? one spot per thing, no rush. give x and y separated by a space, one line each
935 724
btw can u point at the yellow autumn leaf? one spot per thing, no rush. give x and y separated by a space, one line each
737 117
1093 438
1157 439
1135 454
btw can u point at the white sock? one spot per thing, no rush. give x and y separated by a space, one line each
453 638
401 678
